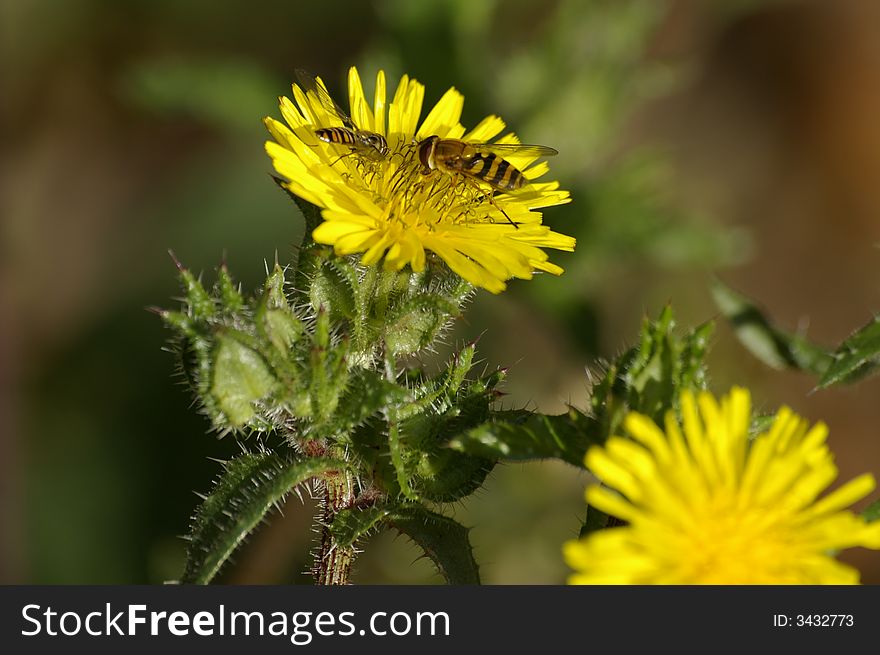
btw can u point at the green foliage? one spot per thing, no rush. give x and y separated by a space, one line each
403 312
249 486
444 541
406 447
872 512
774 347
316 363
322 371
323 355
352 524
648 378
225 93
857 357
522 435
625 214
240 378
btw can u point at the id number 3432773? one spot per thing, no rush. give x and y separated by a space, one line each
813 620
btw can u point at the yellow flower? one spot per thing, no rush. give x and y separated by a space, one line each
704 505
386 207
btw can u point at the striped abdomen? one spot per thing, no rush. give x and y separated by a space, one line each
341 135
495 171
367 143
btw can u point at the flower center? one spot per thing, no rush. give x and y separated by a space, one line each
413 196
735 546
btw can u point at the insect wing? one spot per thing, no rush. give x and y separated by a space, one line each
310 84
515 149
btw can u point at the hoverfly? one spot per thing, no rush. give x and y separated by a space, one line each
370 144
479 161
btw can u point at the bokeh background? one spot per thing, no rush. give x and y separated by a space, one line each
699 138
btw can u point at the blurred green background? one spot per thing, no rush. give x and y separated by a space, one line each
698 138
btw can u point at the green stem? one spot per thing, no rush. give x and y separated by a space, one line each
363 298
394 446
333 564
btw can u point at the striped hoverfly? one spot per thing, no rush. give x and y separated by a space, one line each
369 144
483 162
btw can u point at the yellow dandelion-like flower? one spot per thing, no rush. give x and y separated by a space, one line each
388 207
704 505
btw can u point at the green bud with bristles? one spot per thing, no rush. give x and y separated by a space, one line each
241 378
230 296
199 302
179 321
273 289
323 364
333 286
275 320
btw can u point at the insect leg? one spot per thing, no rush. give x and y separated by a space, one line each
490 197
341 157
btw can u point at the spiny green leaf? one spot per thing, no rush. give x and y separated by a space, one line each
522 435
446 405
328 370
439 392
322 330
444 541
280 326
398 460
692 360
273 289
366 394
230 296
349 525
240 378
180 322
332 289
413 330
248 487
328 383
650 377
311 213
774 347
276 322
414 322
856 357
201 304
459 368
448 475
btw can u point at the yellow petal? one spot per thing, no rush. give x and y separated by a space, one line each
379 103
486 130
360 110
443 117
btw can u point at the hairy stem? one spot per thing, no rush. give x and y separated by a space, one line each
394 431
332 564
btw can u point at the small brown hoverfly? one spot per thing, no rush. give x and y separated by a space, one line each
480 161
370 144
